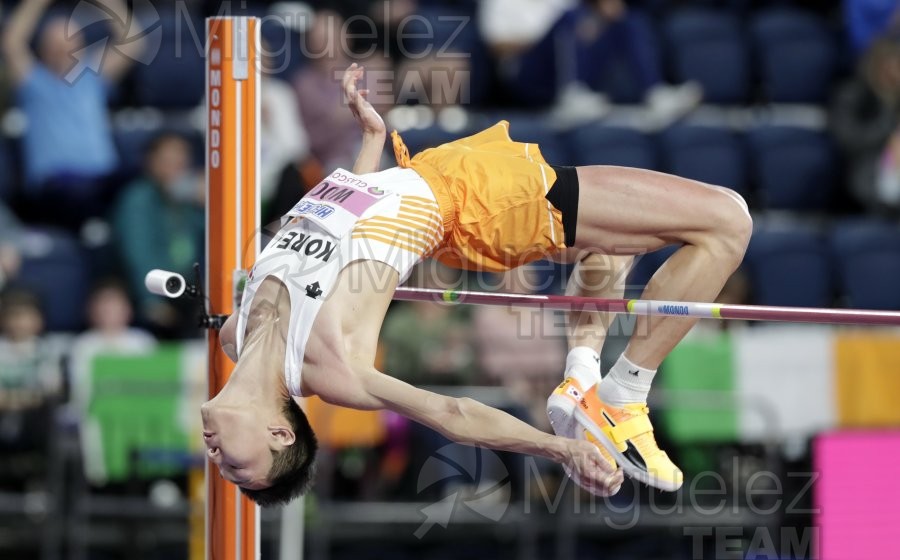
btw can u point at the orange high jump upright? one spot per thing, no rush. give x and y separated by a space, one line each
232 223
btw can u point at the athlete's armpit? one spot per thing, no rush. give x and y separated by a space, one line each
228 337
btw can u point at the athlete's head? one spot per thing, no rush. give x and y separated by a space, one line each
292 467
271 461
255 432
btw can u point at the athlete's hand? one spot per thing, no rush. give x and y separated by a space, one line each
587 467
366 115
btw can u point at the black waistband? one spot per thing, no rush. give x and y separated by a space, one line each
563 195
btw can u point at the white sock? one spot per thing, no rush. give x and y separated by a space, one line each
583 364
626 383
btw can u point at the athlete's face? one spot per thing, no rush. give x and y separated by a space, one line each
239 444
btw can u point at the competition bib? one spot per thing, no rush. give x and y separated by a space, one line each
338 202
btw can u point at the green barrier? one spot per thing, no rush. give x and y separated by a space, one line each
133 408
698 377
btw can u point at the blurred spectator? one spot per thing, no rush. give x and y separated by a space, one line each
68 151
869 19
371 23
425 342
159 223
333 133
283 139
440 79
865 117
10 237
616 44
523 349
109 317
29 366
887 174
428 343
736 291
421 40
526 39
544 49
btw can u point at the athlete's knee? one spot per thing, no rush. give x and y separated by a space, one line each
737 198
733 223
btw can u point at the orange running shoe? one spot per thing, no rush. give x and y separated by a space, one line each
624 435
627 434
561 406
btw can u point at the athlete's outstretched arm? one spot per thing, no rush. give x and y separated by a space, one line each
470 422
373 129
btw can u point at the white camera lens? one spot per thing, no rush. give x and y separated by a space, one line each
165 283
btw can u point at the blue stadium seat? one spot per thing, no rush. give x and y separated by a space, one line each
8 173
55 268
440 30
708 46
283 44
796 55
789 266
525 129
793 168
131 144
418 139
867 256
713 155
596 144
176 77
521 129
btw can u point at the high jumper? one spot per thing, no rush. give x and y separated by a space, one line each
316 298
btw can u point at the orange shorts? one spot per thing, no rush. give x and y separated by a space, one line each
491 192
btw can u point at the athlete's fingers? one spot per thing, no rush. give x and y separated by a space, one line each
613 483
616 480
348 74
603 486
600 461
350 92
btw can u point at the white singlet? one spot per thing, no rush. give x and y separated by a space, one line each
390 216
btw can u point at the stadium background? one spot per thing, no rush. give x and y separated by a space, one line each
792 104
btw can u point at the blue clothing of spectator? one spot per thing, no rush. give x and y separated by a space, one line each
867 20
68 149
620 59
68 131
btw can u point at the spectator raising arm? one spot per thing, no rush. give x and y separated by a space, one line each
127 49
17 34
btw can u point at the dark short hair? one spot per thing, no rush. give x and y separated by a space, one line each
108 284
162 138
19 298
294 466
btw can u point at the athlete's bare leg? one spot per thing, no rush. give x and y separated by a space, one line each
595 275
631 211
599 276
